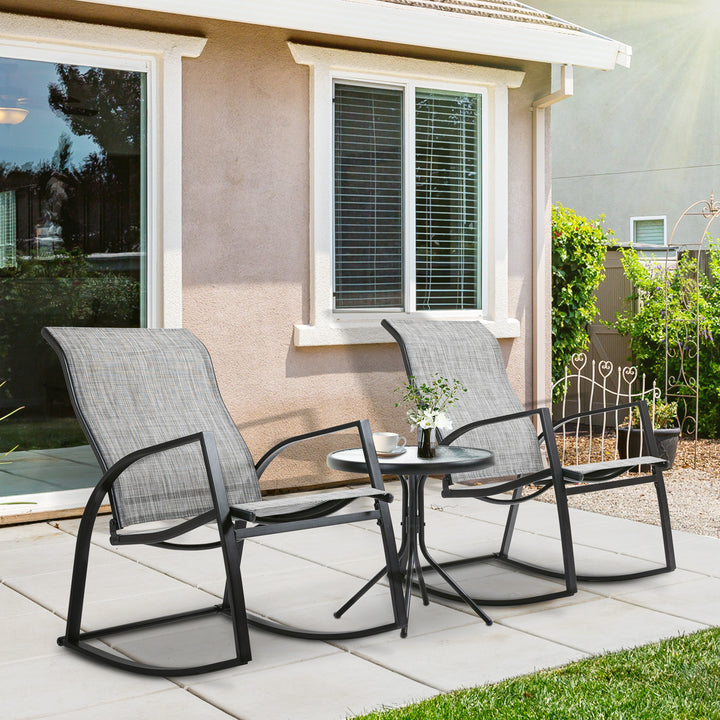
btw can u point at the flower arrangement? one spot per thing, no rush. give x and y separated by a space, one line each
429 404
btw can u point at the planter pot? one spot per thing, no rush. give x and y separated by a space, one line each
666 439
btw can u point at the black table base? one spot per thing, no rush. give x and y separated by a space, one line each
412 549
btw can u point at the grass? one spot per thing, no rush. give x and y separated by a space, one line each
676 679
37 434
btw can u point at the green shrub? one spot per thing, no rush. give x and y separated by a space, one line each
579 246
664 415
63 290
692 308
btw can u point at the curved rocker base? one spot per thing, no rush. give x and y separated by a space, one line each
81 646
330 635
591 578
538 570
102 656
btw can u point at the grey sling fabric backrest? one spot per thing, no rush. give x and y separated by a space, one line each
468 352
135 387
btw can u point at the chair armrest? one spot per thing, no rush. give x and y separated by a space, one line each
114 472
212 467
455 434
645 422
366 441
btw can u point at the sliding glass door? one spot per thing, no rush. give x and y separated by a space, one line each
73 248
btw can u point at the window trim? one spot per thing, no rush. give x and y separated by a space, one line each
327 327
160 55
635 218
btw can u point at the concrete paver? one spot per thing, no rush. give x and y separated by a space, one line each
301 579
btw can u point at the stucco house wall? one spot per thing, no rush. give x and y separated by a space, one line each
246 246
245 228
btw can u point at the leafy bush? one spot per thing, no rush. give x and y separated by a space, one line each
664 415
579 246
62 290
692 308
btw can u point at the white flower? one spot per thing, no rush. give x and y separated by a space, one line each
442 422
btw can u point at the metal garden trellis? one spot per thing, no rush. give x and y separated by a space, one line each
606 385
685 385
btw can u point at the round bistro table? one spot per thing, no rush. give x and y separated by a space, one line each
413 471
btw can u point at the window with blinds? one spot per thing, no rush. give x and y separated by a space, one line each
649 231
446 200
368 197
370 142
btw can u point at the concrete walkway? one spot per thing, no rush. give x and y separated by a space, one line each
301 578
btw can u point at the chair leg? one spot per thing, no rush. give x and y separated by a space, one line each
568 556
665 521
231 549
566 542
665 528
77 641
510 524
393 566
234 599
79 575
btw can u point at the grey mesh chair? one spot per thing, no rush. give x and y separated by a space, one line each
490 415
150 407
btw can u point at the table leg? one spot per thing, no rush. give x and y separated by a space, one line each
403 555
423 549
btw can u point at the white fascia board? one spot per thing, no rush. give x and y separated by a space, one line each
104 38
407 26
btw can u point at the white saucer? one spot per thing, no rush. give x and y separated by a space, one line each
392 453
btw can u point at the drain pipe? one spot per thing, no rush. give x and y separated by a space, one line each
542 245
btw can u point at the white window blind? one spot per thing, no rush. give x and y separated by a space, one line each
369 233
649 231
447 207
368 197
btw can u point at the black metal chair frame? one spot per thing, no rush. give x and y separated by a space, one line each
564 481
232 523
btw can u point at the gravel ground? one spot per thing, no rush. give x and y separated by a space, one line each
693 487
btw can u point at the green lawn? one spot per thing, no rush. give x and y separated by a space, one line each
37 434
676 679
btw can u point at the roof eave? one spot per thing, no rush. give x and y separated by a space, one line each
407 26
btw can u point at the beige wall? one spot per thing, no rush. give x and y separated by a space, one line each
245 245
245 238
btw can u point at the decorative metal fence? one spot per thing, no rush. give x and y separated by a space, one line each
593 386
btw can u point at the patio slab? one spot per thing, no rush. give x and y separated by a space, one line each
302 578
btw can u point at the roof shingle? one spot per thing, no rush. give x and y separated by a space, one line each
497 9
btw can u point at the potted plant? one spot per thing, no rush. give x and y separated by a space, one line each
665 429
429 403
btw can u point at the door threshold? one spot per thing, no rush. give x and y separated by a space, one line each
16 509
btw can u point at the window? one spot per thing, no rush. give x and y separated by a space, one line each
90 215
408 192
371 249
648 231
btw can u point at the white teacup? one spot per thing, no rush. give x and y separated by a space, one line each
387 442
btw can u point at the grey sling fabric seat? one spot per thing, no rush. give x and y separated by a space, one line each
149 405
490 415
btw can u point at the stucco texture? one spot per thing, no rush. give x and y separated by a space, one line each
246 274
246 247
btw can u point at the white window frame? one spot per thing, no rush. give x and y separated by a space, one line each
160 56
634 219
328 65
